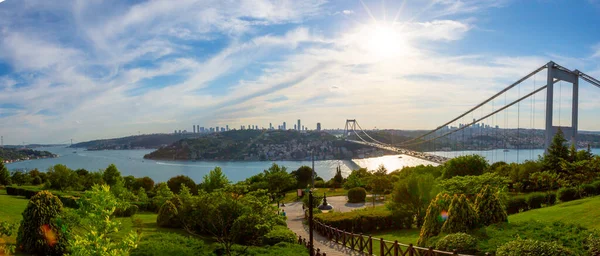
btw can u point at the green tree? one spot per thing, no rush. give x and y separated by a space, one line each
97 223
176 182
412 195
142 196
303 176
20 178
214 180
146 182
278 180
465 165
62 178
557 151
379 181
338 179
461 216
129 182
39 232
4 174
163 193
437 212
357 178
488 208
111 175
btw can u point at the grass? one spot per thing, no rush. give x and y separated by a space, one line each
581 212
404 236
292 196
12 207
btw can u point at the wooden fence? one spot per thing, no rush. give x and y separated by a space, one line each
316 252
362 243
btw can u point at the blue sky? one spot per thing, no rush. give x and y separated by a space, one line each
93 69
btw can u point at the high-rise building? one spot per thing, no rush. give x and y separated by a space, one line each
194 127
227 127
217 129
298 124
295 128
284 126
175 131
318 126
270 126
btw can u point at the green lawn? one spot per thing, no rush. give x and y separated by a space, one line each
583 212
291 196
11 208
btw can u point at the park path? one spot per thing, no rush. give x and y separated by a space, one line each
295 216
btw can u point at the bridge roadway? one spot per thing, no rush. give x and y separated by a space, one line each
425 156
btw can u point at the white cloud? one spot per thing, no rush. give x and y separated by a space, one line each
348 12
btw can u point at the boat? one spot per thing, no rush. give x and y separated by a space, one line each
506 150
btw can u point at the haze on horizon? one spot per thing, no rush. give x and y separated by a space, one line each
100 69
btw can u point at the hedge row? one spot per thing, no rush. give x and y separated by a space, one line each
364 220
537 200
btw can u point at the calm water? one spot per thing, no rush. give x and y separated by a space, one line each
131 162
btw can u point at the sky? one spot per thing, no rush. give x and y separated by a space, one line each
91 69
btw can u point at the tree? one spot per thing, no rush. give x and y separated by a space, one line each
278 180
214 180
184 193
96 224
62 178
176 182
412 195
303 176
338 179
357 178
488 208
557 151
39 232
4 174
111 175
461 216
437 213
146 182
465 165
129 181
163 193
20 178
142 196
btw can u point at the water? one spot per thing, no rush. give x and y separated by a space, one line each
131 162
496 155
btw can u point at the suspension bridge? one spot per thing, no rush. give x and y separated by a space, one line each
479 127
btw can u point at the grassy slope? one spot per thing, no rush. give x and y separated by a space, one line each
580 212
11 208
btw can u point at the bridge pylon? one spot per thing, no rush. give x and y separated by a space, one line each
350 126
556 74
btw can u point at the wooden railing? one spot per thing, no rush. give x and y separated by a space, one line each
316 252
362 243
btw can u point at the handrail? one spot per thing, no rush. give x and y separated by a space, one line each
360 243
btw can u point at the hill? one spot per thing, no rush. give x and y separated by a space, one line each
17 154
260 145
134 142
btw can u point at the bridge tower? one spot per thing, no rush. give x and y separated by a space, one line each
350 126
555 75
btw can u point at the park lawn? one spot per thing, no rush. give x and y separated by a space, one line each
149 227
292 195
11 208
403 236
583 212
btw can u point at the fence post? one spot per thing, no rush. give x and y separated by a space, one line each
430 251
352 240
381 246
454 252
299 239
370 245
396 248
411 250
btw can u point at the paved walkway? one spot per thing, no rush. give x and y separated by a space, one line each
295 216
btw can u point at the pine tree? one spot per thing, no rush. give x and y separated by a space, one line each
461 216
435 217
557 151
488 208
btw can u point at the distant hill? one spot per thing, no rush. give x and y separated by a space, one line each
261 145
151 141
16 154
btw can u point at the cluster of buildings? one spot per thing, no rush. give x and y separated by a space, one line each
202 129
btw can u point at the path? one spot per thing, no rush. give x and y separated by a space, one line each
295 216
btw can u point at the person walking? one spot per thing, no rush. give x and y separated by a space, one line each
283 213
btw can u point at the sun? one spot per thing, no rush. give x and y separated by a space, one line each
382 41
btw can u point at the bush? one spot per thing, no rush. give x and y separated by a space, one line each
529 247
597 186
320 184
588 190
461 242
11 191
39 233
516 204
176 182
69 201
167 216
159 244
550 199
357 195
129 211
568 194
488 208
593 244
461 216
366 220
465 165
279 234
535 200
432 224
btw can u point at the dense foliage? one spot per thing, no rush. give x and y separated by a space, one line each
160 244
529 247
488 208
365 220
465 165
279 234
411 196
176 182
357 195
461 216
168 216
436 215
461 242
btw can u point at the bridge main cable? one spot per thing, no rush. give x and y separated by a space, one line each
478 106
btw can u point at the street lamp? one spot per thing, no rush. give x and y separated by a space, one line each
325 207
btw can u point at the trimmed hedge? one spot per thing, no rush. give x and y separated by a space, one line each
516 204
597 186
587 190
69 201
461 242
357 195
550 199
529 247
535 200
279 234
364 220
127 212
568 194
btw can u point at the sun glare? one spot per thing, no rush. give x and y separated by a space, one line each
383 41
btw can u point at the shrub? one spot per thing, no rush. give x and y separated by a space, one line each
176 182
320 184
39 233
516 204
11 191
465 165
159 244
69 201
535 200
461 242
588 190
167 216
128 211
597 186
279 234
366 220
488 208
432 224
567 194
357 195
461 216
550 198
529 247
593 244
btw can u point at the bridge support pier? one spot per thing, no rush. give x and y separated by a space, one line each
570 132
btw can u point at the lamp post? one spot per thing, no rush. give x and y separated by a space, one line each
310 223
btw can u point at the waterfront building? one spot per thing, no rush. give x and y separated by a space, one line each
318 126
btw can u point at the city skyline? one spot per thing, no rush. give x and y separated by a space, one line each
115 68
